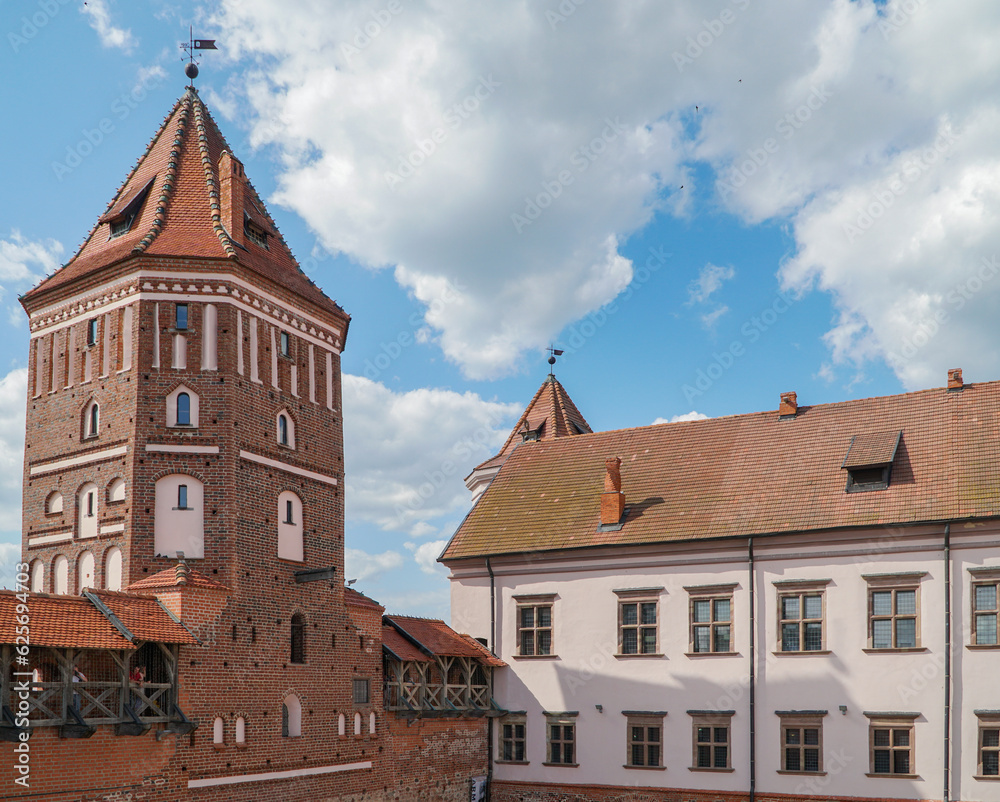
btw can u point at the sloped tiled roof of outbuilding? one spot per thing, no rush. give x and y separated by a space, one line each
746 475
436 638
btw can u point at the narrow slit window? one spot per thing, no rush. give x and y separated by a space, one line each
182 497
181 317
284 343
92 331
288 512
283 430
183 410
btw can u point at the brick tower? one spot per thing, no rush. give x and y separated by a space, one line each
184 402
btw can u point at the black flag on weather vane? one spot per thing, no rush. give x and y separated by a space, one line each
204 44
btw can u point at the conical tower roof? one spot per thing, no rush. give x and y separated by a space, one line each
170 206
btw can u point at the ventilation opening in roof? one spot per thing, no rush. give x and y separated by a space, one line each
254 232
120 220
869 459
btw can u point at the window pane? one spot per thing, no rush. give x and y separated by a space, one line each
792 760
654 735
986 629
882 602
882 634
630 641
545 642
544 616
638 733
508 731
789 637
901 762
722 638
701 642
722 609
519 750
556 732
906 602
881 737
813 607
630 615
881 760
528 642
906 633
721 757
790 607
649 613
701 611
811 762
991 764
653 755
704 734
793 737
721 735
568 751
986 597
638 753
811 736
991 737
648 641
527 616
519 731
814 637
704 757
900 737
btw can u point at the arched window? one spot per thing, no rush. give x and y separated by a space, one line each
88 511
241 730
179 524
91 420
298 650
357 723
54 503
183 409
286 429
60 574
290 527
37 576
291 717
113 569
85 571
116 490
218 730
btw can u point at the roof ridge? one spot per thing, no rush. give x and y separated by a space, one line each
214 202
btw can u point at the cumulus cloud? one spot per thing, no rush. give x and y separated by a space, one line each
692 415
709 281
407 453
24 262
426 554
361 565
10 556
99 18
13 392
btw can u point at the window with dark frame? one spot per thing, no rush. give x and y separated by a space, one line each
282 430
711 613
988 764
181 317
512 732
183 409
801 621
561 741
288 511
637 626
298 639
802 744
92 331
283 342
984 610
645 741
892 746
711 741
893 618
90 504
93 418
360 688
534 629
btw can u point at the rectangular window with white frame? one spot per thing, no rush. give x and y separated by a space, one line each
801 615
513 727
711 619
988 761
561 739
638 616
985 591
801 741
891 741
644 739
534 625
894 610
711 730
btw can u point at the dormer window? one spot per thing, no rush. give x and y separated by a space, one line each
121 218
869 459
254 232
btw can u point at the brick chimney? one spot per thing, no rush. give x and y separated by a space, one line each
231 188
789 406
612 499
955 379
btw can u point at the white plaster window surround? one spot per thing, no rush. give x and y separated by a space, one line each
178 409
116 490
638 621
88 511
894 612
534 620
285 429
54 503
290 531
177 527
91 420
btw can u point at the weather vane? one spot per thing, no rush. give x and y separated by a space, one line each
553 353
191 70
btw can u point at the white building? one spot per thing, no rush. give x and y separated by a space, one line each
799 603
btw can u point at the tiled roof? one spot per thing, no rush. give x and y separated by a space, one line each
168 578
551 413
400 648
437 638
144 617
181 213
351 596
746 475
869 450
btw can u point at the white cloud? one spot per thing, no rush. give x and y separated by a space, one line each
709 281
361 565
13 394
709 319
23 261
407 453
692 415
99 18
10 556
426 554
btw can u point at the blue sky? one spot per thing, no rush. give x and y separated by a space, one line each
704 204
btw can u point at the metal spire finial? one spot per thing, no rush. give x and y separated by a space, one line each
191 68
553 353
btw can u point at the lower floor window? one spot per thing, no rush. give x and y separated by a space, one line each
989 746
711 741
512 740
892 746
645 738
562 740
801 744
